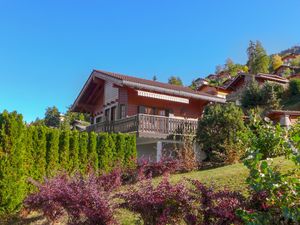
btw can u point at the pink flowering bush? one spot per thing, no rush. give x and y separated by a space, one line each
164 204
81 199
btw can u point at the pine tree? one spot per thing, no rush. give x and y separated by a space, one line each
258 60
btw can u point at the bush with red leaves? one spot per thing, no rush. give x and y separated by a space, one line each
82 200
164 166
163 204
215 207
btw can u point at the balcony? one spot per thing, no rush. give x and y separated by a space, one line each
151 126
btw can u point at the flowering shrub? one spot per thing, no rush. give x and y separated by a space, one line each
81 199
275 197
215 207
164 204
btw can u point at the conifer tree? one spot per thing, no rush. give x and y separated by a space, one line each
92 151
105 152
12 150
39 154
258 60
52 156
83 149
120 148
74 150
64 144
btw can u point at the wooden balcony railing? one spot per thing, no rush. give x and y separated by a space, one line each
148 126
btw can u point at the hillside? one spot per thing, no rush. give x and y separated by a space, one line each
295 49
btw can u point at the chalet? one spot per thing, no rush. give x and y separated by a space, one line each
152 110
288 58
237 86
218 91
292 70
284 117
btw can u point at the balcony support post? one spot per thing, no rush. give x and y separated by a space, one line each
158 151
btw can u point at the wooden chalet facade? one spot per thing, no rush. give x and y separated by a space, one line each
152 110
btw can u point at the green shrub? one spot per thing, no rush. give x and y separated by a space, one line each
39 153
64 144
92 151
268 138
120 148
83 149
105 152
74 151
12 152
52 156
294 87
219 125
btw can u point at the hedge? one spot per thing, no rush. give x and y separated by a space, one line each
38 152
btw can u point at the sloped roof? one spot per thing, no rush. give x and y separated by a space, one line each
148 82
270 77
144 84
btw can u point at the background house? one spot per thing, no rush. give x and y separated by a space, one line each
154 111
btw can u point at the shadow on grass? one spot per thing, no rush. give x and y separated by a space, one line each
18 220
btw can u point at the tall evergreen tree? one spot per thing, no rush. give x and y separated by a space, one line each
83 151
52 117
40 149
92 151
258 60
12 150
74 150
64 144
52 156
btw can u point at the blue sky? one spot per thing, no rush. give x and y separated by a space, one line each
48 48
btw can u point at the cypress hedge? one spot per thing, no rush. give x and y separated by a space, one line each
38 152
74 150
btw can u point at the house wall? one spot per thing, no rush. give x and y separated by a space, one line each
192 110
147 151
111 93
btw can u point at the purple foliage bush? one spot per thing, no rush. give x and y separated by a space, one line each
215 207
164 204
81 199
164 166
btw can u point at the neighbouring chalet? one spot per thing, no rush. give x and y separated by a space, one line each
284 117
237 86
152 110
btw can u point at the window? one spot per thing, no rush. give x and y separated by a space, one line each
146 110
122 111
161 112
99 119
106 115
113 114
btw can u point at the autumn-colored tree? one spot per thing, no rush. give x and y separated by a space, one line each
175 81
276 62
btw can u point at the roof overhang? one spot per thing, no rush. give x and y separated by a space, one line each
143 87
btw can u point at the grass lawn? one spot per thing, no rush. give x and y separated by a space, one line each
231 177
